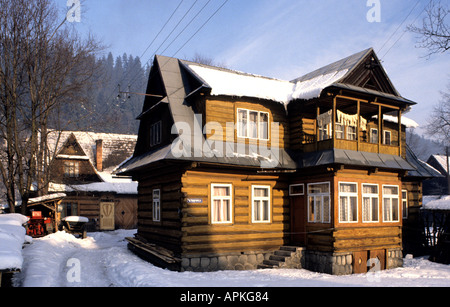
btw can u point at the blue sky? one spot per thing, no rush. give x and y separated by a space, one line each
282 39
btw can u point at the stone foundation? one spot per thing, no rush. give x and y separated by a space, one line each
394 258
234 261
334 264
321 262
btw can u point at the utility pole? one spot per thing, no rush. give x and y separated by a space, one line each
448 170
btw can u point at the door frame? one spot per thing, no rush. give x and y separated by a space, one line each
110 214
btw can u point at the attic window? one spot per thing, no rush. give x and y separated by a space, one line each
71 169
252 124
156 134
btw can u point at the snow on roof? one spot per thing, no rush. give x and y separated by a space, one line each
233 83
409 123
309 86
434 203
442 160
116 147
12 237
124 188
44 198
312 88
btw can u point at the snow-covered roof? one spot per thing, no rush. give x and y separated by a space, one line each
233 83
49 197
116 147
436 203
442 160
312 88
124 188
12 238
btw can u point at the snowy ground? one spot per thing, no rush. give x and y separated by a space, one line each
103 260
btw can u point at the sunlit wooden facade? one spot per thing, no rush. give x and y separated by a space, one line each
323 171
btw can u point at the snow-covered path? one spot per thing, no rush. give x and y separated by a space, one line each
103 260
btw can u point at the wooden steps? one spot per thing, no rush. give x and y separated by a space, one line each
153 253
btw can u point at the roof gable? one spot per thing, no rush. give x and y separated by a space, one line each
71 147
360 70
370 74
82 145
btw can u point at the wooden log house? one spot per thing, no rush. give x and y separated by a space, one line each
238 171
83 168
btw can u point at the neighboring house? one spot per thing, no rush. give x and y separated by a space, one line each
83 169
235 169
438 185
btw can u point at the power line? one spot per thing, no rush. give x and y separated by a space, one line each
168 20
168 36
203 25
198 30
148 47
404 31
409 14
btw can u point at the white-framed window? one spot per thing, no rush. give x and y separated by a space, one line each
296 189
252 124
71 169
156 205
156 134
348 202
374 135
319 202
390 203
405 204
340 131
221 203
351 133
324 132
387 137
261 207
370 203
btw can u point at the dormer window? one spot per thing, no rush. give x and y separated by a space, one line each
252 124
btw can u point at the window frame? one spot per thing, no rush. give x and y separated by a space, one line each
371 196
372 141
297 185
261 199
348 195
391 197
156 133
248 126
322 196
405 205
351 134
156 205
71 169
341 131
230 198
385 133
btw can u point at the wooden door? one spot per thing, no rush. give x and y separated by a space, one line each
360 262
298 225
107 216
126 214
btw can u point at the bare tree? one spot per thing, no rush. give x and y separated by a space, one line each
44 65
434 34
205 60
439 122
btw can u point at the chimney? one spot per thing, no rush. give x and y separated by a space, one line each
99 155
